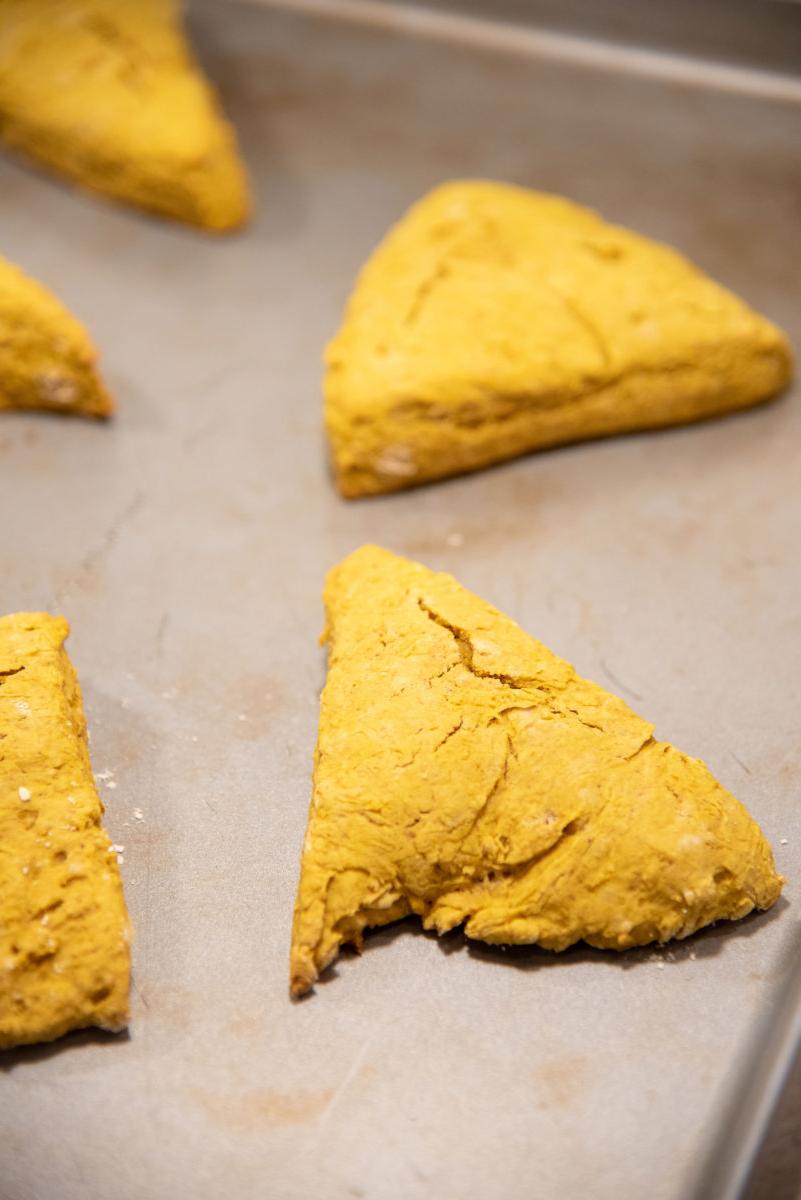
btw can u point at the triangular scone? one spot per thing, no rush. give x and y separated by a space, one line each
64 931
109 93
46 357
492 321
465 773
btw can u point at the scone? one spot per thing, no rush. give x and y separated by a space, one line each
492 321
46 358
64 930
108 93
466 774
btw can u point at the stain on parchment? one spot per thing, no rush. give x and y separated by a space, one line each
253 700
560 1082
26 437
251 1110
248 1026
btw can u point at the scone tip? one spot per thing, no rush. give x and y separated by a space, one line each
302 977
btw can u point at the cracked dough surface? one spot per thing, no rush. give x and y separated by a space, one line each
465 773
492 321
108 93
64 930
46 358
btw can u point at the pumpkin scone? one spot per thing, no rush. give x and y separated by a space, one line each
108 93
47 360
493 321
64 930
466 774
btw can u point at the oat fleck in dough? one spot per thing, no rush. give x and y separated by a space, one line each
64 930
108 93
465 773
46 358
492 321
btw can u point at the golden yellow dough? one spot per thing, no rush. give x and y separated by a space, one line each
46 358
108 93
64 931
492 321
465 773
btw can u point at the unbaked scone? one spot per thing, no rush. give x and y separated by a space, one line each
492 321
64 930
466 774
46 357
108 93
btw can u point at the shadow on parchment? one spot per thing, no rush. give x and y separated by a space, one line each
24 1055
704 944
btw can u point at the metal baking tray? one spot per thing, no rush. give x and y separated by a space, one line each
187 543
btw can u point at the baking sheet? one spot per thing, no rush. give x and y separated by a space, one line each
187 544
